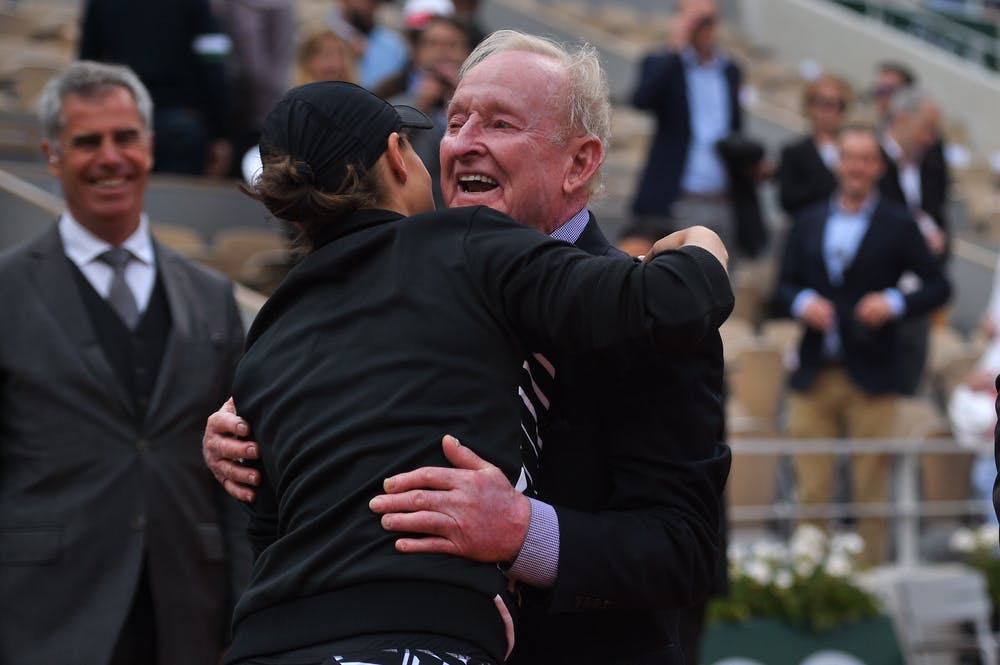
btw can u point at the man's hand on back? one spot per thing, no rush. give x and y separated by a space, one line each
222 451
471 511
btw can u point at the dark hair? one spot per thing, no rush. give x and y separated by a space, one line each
287 190
905 74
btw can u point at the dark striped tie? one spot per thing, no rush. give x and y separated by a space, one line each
537 377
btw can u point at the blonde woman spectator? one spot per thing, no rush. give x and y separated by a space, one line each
325 56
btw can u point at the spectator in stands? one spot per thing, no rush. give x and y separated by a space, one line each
441 45
177 49
805 174
890 77
263 37
117 545
916 176
379 51
325 56
693 90
416 14
838 276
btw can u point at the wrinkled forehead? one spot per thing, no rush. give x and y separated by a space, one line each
516 80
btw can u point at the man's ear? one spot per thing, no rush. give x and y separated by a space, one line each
395 145
51 158
585 160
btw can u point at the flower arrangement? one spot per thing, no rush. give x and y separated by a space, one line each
810 583
980 548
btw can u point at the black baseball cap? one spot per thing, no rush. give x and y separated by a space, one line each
331 124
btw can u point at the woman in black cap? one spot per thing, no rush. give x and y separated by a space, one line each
403 323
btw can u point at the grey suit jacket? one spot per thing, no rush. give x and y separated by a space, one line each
88 496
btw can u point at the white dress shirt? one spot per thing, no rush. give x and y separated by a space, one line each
82 248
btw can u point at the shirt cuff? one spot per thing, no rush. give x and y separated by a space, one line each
538 561
896 302
802 300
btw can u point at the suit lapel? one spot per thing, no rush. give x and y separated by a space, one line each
864 247
592 240
179 300
818 241
52 276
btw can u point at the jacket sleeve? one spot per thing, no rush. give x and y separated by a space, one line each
794 267
652 92
556 296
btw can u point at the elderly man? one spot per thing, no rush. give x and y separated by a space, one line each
116 546
625 470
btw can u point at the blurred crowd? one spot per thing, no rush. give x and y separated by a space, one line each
215 69
860 254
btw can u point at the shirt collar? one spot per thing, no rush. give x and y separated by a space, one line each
82 246
572 228
691 58
866 209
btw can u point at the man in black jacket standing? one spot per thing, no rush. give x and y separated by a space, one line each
839 273
625 494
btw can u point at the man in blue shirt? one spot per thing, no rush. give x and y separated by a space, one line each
694 94
839 272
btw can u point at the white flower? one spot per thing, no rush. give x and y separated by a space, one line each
783 579
963 540
848 543
809 533
805 567
759 572
808 542
807 550
987 537
769 550
838 565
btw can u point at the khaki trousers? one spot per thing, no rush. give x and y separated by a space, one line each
832 407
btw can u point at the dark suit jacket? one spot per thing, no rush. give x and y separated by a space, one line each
934 182
803 178
88 496
662 89
632 462
892 245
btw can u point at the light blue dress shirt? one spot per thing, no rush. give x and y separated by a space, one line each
842 237
709 111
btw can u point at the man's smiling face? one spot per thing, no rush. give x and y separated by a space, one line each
506 142
102 160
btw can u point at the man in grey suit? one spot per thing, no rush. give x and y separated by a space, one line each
116 545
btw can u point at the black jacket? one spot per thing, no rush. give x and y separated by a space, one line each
803 178
391 333
632 462
892 245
